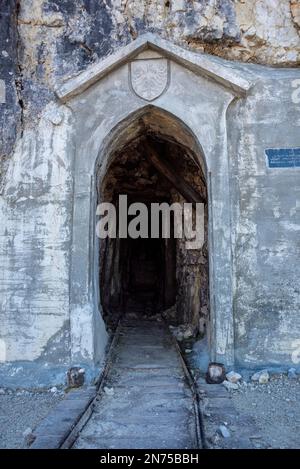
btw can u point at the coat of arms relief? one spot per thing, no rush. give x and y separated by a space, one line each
149 75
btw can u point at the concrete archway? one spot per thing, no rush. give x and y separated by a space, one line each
105 111
164 125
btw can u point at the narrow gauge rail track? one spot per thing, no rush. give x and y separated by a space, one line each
146 396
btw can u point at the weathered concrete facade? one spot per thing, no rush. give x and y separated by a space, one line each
60 141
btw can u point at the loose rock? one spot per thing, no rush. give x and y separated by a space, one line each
182 332
233 377
75 377
28 436
230 386
2 391
215 373
262 377
224 431
108 391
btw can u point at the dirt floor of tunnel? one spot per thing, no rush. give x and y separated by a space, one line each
145 401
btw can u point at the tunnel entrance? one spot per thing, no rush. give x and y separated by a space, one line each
142 278
150 281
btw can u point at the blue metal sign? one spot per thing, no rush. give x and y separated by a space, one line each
283 157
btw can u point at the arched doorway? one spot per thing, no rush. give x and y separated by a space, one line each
190 114
147 276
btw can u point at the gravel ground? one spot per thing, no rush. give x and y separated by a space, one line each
22 409
255 415
275 408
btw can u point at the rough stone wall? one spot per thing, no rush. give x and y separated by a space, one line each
45 40
10 107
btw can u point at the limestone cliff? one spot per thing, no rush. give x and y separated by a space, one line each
44 40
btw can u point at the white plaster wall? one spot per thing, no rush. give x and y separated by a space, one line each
35 214
266 224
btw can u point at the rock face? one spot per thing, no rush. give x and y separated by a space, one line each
10 100
233 377
268 31
43 40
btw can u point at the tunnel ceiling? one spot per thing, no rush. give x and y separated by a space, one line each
158 126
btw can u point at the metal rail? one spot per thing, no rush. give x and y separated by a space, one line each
73 435
200 436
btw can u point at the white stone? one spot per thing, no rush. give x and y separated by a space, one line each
2 391
233 377
28 436
224 431
108 391
54 389
178 5
262 377
230 386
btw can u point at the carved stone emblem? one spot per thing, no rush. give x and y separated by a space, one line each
149 78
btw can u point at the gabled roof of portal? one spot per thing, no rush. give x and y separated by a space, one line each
221 71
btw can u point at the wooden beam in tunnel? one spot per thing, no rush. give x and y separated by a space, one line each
185 189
